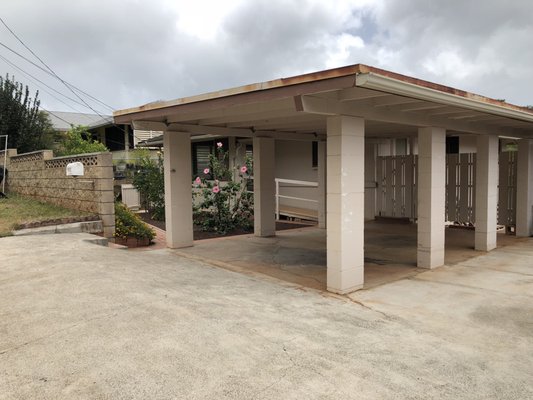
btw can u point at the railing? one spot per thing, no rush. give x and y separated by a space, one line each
292 182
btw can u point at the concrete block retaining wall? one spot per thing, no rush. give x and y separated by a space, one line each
42 176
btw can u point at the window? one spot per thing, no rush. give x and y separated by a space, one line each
200 157
452 145
401 147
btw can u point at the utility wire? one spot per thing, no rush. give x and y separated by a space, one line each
51 74
67 85
48 67
30 76
42 62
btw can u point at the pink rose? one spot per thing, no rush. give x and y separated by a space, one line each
244 169
216 189
197 180
206 171
219 144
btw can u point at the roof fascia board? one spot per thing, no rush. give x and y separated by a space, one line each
386 84
191 105
322 106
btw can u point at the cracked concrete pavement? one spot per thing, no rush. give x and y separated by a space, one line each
84 321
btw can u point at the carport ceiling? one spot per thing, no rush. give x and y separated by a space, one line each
391 104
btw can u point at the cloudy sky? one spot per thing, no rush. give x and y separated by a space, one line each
130 52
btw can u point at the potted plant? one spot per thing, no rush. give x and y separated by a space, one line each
130 230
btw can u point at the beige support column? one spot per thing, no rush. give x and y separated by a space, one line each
264 187
345 203
322 201
486 192
127 139
524 189
431 196
104 193
178 189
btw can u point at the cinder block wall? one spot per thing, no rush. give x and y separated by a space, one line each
43 177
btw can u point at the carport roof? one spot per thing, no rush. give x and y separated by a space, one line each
389 102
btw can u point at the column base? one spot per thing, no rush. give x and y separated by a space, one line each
345 291
265 235
484 243
430 260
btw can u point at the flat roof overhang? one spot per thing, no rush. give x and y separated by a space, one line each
297 108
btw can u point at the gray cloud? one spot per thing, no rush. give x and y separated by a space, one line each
132 52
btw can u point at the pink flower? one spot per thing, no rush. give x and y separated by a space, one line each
206 171
219 144
244 169
197 180
216 189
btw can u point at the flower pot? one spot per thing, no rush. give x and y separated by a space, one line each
132 242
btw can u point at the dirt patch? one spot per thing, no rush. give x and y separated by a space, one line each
199 234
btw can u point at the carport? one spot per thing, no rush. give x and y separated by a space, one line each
345 109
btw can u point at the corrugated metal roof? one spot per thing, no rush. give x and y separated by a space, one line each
62 121
326 75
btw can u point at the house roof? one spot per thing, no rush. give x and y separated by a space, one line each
391 103
62 121
157 141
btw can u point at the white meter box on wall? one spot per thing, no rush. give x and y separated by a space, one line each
75 169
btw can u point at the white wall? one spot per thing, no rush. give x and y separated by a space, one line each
294 161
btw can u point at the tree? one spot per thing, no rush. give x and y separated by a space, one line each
78 141
27 127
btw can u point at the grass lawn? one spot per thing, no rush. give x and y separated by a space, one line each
17 209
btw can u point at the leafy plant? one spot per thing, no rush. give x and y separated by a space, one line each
128 224
223 203
78 141
149 180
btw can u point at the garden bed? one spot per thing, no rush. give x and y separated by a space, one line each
199 234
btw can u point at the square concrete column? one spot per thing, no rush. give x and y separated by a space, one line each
178 189
322 201
486 192
345 203
431 197
264 187
127 139
524 189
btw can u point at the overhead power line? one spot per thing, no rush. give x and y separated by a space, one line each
39 82
53 73
48 67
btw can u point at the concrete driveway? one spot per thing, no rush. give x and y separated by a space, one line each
84 321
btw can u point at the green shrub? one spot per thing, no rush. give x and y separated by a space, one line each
224 203
78 141
149 180
128 224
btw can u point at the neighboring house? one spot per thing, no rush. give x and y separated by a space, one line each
295 161
118 138
385 141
